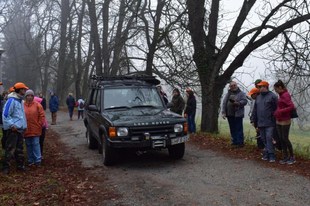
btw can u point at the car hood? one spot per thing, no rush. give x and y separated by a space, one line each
143 117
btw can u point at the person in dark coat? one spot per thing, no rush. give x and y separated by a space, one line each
178 102
190 111
71 104
43 103
262 116
54 107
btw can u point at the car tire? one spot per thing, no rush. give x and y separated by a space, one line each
109 154
177 151
92 142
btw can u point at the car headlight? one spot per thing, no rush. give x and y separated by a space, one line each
122 131
178 128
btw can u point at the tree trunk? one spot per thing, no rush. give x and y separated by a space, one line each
95 35
61 73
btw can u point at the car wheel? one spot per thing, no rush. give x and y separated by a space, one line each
177 151
109 154
92 143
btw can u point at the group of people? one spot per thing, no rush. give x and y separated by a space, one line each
179 105
23 118
270 115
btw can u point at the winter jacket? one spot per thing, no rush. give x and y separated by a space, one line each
70 101
265 106
14 113
54 104
284 107
79 108
240 98
178 104
43 103
40 100
35 119
191 106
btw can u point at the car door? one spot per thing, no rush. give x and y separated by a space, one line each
91 114
97 115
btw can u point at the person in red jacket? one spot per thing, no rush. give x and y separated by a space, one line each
35 120
283 121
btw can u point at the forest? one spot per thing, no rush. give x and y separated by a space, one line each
200 44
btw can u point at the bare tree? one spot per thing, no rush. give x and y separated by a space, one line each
211 52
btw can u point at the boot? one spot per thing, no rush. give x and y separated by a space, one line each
70 118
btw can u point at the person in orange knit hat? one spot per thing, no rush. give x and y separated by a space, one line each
14 121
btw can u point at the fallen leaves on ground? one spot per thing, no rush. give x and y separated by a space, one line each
60 181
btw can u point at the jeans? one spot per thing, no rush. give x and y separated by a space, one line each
33 149
81 112
267 134
70 111
191 123
236 130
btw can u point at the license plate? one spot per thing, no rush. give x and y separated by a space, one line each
179 140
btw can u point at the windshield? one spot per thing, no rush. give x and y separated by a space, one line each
131 97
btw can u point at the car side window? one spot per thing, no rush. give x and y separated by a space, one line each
98 99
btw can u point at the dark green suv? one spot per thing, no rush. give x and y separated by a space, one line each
129 112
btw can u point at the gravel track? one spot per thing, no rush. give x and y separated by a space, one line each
200 178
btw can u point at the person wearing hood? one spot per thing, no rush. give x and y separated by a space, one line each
54 107
233 109
178 102
15 123
35 121
70 103
44 128
263 119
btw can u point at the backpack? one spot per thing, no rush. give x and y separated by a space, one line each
81 105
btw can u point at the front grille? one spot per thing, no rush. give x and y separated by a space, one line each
158 130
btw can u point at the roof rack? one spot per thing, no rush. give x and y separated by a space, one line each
148 79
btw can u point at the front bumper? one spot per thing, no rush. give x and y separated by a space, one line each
152 143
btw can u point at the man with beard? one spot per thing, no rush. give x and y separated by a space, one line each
233 108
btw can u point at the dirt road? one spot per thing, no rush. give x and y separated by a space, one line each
200 178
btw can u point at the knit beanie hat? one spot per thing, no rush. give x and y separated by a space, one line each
29 92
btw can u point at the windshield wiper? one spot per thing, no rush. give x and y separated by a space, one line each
137 106
120 107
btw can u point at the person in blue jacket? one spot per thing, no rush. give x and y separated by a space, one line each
54 106
14 122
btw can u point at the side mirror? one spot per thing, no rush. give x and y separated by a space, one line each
92 108
170 105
